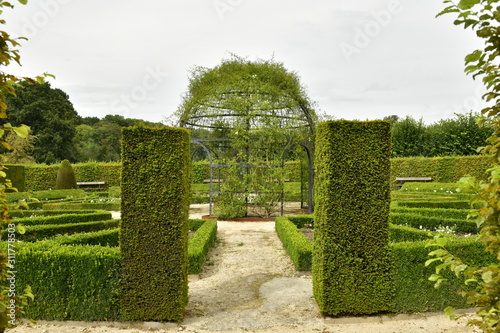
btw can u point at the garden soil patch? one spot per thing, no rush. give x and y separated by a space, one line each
249 284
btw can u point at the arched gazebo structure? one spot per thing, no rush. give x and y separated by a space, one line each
249 116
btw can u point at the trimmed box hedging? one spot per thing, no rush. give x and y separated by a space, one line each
456 204
37 213
108 237
351 260
65 218
441 169
199 244
40 177
40 232
16 174
70 282
432 223
447 213
82 205
156 179
413 290
400 233
297 245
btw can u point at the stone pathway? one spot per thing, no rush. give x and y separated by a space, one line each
249 283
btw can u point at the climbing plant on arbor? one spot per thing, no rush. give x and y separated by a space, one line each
247 115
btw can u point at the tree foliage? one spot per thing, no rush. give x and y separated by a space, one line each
52 119
100 139
458 136
483 16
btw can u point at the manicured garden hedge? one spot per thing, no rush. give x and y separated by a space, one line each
70 282
441 169
432 223
351 259
108 237
413 290
455 204
82 205
199 244
40 232
39 177
39 213
156 179
65 218
297 245
447 213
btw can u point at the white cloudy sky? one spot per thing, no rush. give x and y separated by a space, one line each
362 59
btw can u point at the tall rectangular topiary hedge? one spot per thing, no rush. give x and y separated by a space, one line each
351 260
154 235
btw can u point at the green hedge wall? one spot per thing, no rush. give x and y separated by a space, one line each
70 282
351 260
156 180
441 169
39 177
413 290
17 175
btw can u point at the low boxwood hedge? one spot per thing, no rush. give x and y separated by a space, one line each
37 213
433 223
39 232
114 206
413 290
456 204
295 242
447 213
200 243
70 282
65 218
107 237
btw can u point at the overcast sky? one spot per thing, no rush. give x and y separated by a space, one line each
363 59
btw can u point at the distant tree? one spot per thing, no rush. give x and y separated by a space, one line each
460 136
90 121
408 138
392 118
52 119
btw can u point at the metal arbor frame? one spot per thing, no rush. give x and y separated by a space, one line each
308 147
247 96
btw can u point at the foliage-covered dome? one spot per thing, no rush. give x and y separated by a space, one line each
239 92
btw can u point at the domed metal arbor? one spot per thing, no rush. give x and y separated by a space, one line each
254 113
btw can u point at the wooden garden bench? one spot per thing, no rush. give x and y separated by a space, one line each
91 186
402 180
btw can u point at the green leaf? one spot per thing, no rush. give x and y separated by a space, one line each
450 9
450 312
473 57
23 2
487 276
20 229
430 261
467 4
22 131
